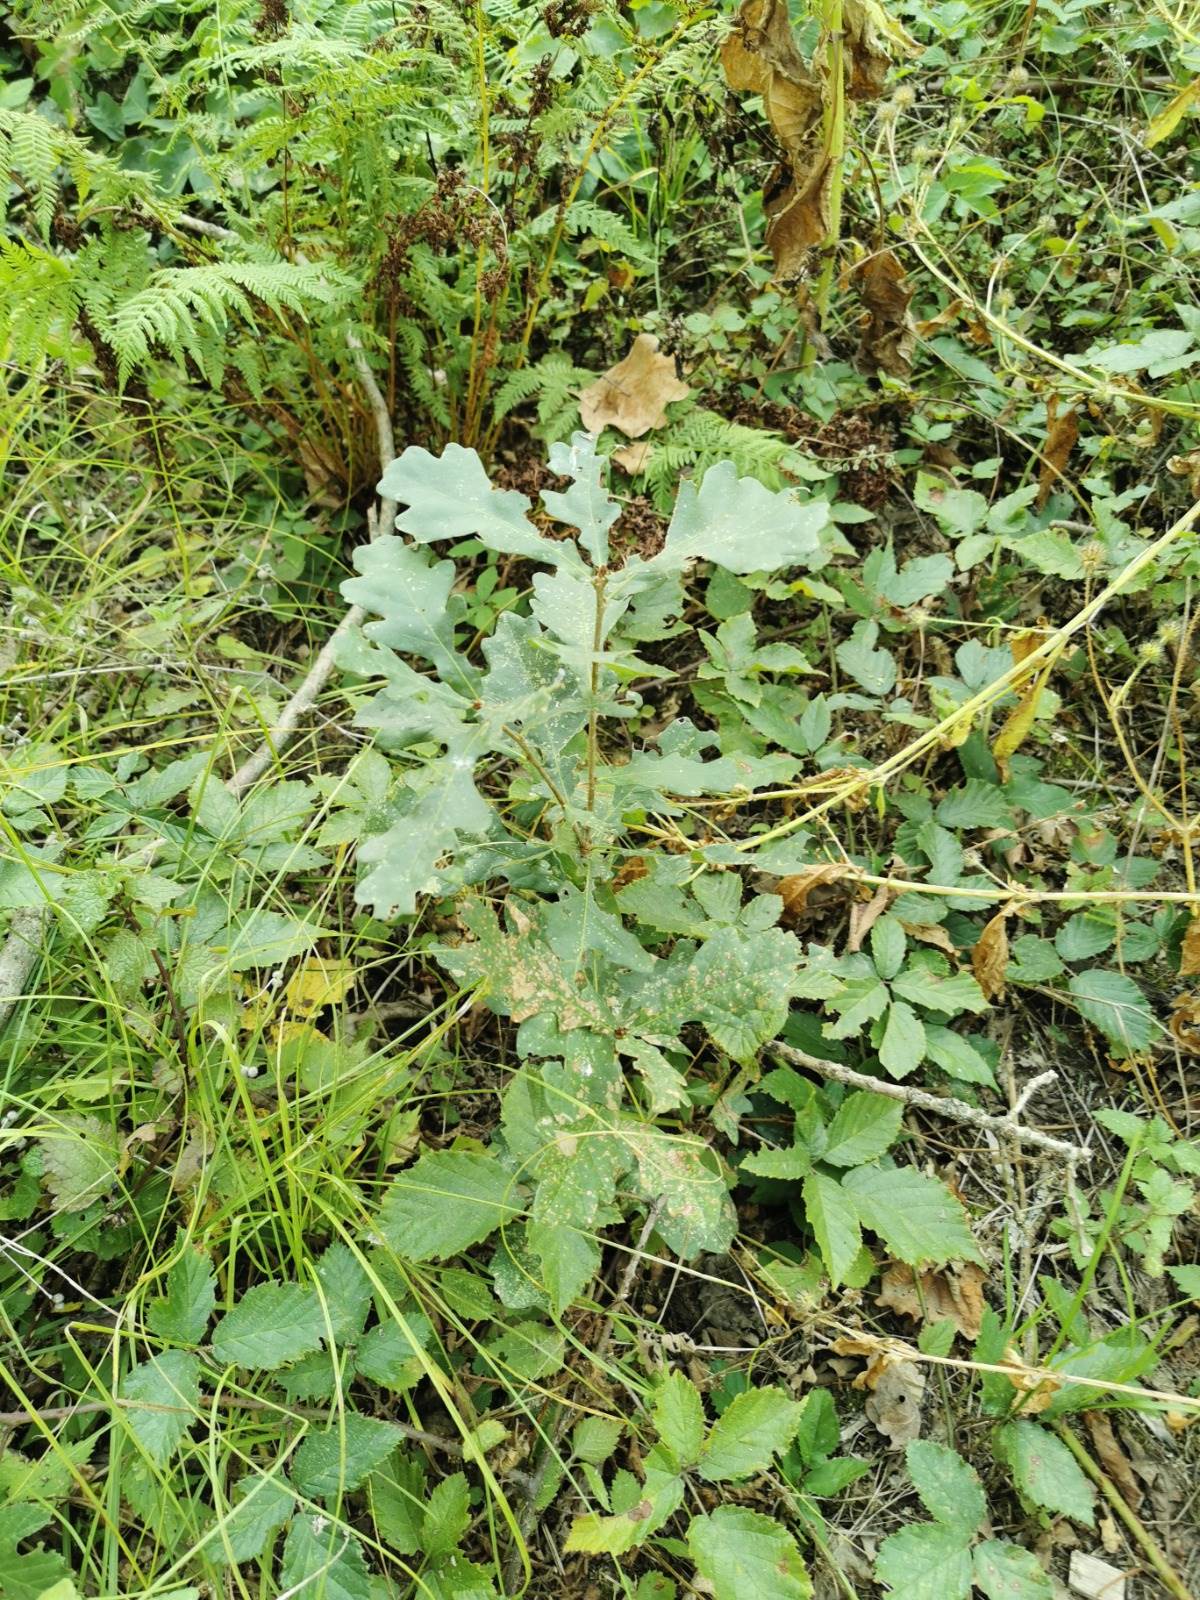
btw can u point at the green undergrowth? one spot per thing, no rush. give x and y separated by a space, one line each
677 1077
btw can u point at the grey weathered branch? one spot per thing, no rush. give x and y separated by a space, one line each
19 954
1006 1127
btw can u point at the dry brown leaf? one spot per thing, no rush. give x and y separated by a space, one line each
863 917
632 458
633 395
989 958
890 333
953 1294
868 33
1062 435
931 933
795 889
1184 1023
894 1405
1036 1389
1112 1457
1189 953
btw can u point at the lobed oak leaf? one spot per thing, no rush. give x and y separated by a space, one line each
633 395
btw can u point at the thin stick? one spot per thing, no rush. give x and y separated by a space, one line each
226 1402
1137 1528
318 674
1006 1127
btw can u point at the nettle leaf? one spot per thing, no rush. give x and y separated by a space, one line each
949 1489
182 1313
929 1562
595 1438
445 1202
450 497
833 1217
741 525
1045 1472
1115 1005
272 1324
322 1557
164 1393
338 1459
1006 1572
740 1552
679 1417
864 1126
756 1425
916 1216
447 1516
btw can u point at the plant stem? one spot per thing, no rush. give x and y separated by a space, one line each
833 139
1137 1528
599 583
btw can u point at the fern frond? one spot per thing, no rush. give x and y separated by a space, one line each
39 299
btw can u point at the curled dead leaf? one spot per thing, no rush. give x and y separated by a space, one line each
890 333
1112 1457
1062 435
931 933
795 889
632 458
952 1294
1034 1388
872 39
1189 953
1184 1023
633 395
865 915
989 958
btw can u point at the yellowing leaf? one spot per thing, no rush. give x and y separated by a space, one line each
319 981
1016 729
1172 114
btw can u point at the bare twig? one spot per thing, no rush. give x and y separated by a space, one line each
1006 1127
19 954
318 674
224 1402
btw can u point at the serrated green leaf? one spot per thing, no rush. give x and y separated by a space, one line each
678 1413
182 1313
337 1460
864 1127
595 1438
902 1048
80 1160
756 1425
1115 1005
324 1560
958 1057
445 1202
740 525
833 1218
346 1290
872 668
916 1216
697 1213
928 1562
955 992
389 1354
28 1576
1045 1472
742 1553
162 1395
1006 1572
787 1162
1187 1280
272 1324
888 944
975 804
447 1516
261 1505
949 1489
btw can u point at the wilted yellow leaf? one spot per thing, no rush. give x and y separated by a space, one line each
319 981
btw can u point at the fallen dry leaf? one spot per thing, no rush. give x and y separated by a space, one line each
633 396
931 933
1184 1023
989 958
795 889
864 916
953 1294
890 332
1037 1389
632 458
1062 435
894 1405
1189 954
1112 1457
